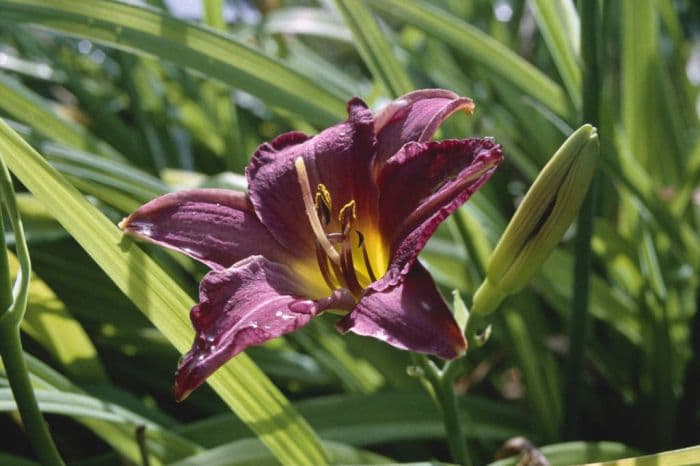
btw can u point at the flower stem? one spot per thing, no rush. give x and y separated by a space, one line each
16 370
442 383
578 321
11 312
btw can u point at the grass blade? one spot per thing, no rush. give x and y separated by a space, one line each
306 21
550 19
669 458
576 453
374 48
24 105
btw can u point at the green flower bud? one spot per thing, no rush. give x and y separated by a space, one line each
541 220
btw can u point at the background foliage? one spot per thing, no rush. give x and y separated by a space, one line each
125 102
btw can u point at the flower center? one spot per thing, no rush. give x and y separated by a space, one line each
336 252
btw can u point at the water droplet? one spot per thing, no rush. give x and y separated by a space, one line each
84 46
302 307
98 56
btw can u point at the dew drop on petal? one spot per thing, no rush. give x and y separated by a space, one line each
302 307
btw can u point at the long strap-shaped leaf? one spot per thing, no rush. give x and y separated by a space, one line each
561 38
374 48
148 31
239 383
24 105
497 58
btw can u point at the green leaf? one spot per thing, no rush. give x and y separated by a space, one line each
537 370
250 452
112 423
240 383
388 416
49 323
148 31
374 48
306 21
24 105
685 456
322 342
561 37
460 310
576 453
16 460
483 49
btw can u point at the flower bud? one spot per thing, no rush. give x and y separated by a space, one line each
541 220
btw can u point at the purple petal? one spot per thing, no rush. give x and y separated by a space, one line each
252 302
215 226
415 117
410 315
423 184
339 157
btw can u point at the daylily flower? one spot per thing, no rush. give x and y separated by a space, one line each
334 221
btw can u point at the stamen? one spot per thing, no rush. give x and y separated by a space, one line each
322 259
348 268
361 244
323 203
303 178
346 217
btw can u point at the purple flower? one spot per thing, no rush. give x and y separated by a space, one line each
333 221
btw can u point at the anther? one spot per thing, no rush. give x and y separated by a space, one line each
323 203
346 217
303 179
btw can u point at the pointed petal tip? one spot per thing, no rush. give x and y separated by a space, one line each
461 348
415 116
179 393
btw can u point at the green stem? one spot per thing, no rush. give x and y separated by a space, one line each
453 425
16 370
5 279
442 382
12 310
578 321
